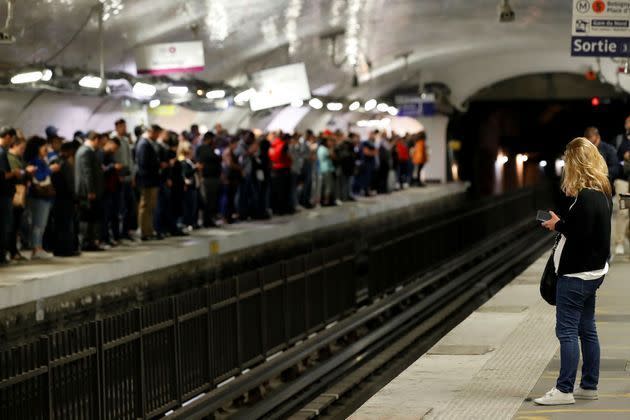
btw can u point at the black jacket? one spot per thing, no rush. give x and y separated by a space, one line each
609 154
148 163
587 231
210 160
63 181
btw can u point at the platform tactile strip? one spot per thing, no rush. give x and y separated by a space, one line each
498 389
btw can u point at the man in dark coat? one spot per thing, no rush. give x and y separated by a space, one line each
148 179
89 186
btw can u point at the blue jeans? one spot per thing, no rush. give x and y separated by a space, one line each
40 208
575 317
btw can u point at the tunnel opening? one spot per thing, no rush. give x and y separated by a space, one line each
514 131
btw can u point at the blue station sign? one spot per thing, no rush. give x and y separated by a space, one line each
601 28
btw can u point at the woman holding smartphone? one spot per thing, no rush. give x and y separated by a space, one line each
581 262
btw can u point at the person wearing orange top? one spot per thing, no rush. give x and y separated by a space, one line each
419 156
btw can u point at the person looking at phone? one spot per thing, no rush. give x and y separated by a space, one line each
581 262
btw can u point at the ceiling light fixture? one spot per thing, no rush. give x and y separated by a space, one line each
297 103
245 95
47 74
316 103
178 90
370 105
354 106
154 103
91 82
144 89
382 107
393 111
28 77
334 106
215 94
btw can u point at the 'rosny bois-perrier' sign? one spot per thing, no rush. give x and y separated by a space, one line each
601 28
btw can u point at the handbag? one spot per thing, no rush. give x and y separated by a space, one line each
19 198
549 278
43 189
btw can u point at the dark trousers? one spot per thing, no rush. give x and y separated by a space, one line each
418 179
15 230
229 201
189 217
163 219
210 194
264 198
403 172
307 185
344 186
363 181
281 191
91 218
64 214
6 222
111 216
128 208
248 192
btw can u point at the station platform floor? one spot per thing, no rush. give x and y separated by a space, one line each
505 354
29 282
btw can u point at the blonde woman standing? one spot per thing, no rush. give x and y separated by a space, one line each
581 262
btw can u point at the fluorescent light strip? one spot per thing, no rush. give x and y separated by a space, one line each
28 77
178 90
215 94
92 82
144 89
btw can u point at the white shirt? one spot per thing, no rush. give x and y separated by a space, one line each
585 275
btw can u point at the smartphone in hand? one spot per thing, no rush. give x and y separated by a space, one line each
543 216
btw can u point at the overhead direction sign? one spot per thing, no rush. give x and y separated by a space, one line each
601 28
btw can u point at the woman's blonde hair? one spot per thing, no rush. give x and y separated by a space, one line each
584 167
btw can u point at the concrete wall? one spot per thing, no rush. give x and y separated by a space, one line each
33 112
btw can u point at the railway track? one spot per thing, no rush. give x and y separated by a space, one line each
335 371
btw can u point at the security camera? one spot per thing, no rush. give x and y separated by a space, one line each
506 13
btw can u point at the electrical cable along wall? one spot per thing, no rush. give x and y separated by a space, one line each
143 362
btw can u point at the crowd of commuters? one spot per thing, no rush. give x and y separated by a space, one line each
59 197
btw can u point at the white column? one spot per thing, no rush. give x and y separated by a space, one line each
435 127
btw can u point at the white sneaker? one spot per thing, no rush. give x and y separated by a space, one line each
555 397
619 250
41 255
585 394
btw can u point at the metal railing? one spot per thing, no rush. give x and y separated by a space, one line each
144 362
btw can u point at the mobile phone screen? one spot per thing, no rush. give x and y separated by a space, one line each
543 216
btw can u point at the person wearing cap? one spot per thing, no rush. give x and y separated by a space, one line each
148 178
127 203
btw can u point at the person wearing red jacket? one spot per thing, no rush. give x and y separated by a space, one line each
281 175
